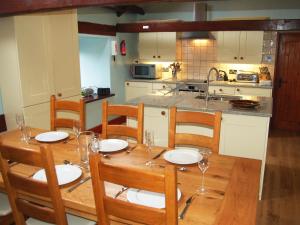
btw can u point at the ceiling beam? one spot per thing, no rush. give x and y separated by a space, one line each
227 25
96 29
13 7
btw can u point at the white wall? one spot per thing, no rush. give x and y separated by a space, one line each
95 57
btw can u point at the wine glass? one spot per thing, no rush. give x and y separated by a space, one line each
76 130
20 123
149 141
203 165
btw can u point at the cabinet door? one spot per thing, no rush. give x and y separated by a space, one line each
63 42
228 46
251 43
166 46
137 89
34 60
253 91
148 45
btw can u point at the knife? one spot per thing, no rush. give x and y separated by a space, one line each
121 191
159 154
78 184
187 205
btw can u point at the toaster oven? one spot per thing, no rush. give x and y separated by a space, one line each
145 71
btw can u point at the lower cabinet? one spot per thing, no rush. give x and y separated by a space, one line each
137 89
225 90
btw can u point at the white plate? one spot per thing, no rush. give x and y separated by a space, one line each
112 145
147 198
65 174
51 136
183 156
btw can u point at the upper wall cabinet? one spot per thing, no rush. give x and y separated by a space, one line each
157 46
240 46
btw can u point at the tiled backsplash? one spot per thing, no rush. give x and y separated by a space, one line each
198 56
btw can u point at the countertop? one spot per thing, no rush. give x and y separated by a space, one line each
189 102
212 83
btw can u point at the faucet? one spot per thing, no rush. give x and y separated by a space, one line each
208 77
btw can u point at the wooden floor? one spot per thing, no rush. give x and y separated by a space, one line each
280 204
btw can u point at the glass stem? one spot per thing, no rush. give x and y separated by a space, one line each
202 183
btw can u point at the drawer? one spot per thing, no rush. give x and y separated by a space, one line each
163 86
138 84
253 91
221 90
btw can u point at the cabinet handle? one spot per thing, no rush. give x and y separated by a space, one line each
154 56
235 57
158 56
164 86
127 84
242 58
220 89
59 94
237 89
163 113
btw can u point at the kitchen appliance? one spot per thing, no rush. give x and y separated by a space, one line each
145 71
193 86
249 77
103 91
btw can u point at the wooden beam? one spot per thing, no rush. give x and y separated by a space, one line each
98 29
12 7
228 25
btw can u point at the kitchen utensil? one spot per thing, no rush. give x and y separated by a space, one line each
112 145
65 174
78 184
188 202
51 136
159 154
148 198
121 191
183 156
244 104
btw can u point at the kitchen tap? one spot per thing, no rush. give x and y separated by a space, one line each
208 77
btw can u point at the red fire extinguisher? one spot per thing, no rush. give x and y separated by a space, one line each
123 47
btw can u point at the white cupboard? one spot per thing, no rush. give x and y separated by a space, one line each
157 46
239 46
39 57
137 89
225 90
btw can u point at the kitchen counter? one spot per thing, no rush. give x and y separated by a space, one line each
189 102
212 83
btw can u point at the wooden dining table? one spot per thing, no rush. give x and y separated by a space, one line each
232 183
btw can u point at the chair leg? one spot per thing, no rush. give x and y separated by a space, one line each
7 219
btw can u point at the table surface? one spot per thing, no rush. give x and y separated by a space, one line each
232 183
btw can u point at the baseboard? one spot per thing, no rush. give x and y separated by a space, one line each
2 123
118 120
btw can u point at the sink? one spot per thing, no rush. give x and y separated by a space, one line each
219 97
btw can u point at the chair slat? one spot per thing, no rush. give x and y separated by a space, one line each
39 212
193 139
120 130
147 180
64 123
67 105
32 186
195 117
136 213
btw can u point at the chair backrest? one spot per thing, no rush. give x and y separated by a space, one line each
16 183
136 112
212 121
136 178
67 106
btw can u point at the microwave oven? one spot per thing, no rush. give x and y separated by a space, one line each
145 71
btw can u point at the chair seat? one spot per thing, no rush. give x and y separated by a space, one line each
72 220
4 206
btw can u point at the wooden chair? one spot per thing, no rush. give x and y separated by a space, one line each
16 184
123 130
209 120
135 178
69 106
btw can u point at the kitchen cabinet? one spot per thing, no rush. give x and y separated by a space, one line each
39 57
156 120
137 89
157 46
235 90
240 46
163 86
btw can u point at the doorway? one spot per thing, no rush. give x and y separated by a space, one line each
286 110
